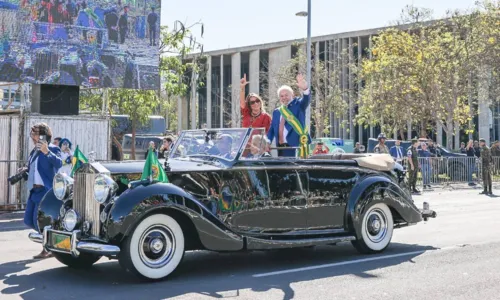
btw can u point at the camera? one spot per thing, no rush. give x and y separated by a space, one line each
17 177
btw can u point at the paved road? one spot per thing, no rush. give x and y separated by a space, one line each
456 256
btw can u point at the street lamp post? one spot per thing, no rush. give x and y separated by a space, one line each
308 53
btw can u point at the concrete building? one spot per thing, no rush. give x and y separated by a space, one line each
217 102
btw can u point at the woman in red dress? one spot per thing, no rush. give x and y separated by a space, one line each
253 113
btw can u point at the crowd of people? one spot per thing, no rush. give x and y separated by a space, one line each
418 157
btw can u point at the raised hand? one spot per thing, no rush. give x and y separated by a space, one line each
301 82
244 81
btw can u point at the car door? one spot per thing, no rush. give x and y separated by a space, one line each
329 191
265 201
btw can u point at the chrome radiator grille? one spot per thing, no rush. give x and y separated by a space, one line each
83 200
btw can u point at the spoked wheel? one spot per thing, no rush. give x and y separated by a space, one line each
154 249
376 229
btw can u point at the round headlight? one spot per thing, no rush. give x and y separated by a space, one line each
62 186
70 220
104 188
101 190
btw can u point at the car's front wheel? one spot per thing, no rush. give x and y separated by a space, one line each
83 261
376 229
155 248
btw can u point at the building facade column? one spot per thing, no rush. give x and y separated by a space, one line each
360 57
351 91
370 56
439 135
278 57
209 92
484 102
194 99
235 89
179 113
222 125
345 87
254 70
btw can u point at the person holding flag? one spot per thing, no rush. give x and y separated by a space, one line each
288 122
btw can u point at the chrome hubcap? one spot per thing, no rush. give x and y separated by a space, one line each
376 225
157 246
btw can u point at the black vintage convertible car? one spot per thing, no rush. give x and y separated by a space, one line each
225 193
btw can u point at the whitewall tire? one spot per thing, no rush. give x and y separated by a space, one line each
377 226
155 248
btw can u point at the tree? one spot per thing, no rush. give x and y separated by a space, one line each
137 104
177 71
425 73
140 104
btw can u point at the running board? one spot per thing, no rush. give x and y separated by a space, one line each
264 244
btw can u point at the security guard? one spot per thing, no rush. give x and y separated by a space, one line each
487 164
381 148
413 166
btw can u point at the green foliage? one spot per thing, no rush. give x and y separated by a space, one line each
177 64
426 73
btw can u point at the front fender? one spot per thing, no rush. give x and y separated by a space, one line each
373 189
48 210
133 205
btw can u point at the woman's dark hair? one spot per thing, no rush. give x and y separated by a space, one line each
43 129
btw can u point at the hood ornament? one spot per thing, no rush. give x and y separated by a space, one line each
91 156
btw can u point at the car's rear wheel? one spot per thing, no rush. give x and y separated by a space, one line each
83 261
376 226
154 249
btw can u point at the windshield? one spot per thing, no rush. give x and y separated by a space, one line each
223 143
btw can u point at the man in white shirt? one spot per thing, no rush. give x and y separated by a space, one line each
43 164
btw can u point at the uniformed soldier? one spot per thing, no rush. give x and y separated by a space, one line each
495 153
381 148
487 163
412 154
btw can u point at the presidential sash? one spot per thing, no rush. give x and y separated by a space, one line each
299 129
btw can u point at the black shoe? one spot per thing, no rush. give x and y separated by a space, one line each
483 193
415 191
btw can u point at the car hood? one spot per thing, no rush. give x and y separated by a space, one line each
176 165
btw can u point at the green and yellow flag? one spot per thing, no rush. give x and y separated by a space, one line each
299 129
153 168
77 160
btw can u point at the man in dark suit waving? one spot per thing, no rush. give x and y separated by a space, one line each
288 121
43 164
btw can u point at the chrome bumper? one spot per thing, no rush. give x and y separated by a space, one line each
77 246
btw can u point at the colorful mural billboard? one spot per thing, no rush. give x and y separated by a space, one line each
88 43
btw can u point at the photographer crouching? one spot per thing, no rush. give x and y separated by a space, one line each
43 163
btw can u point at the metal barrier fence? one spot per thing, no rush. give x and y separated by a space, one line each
445 171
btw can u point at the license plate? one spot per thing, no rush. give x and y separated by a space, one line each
126 156
61 242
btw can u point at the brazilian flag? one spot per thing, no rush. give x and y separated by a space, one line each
153 168
77 160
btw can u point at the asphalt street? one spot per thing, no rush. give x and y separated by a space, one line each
455 256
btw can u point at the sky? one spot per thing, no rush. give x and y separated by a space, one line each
236 23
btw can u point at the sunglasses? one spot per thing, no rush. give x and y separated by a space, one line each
255 101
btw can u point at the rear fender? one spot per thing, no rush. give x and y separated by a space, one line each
134 205
378 189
